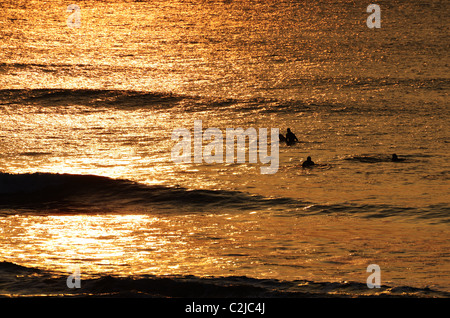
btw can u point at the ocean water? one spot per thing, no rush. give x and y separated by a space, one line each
87 179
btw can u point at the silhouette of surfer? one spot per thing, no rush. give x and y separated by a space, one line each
308 163
395 158
282 138
290 137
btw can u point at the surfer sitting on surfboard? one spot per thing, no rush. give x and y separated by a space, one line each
308 163
290 137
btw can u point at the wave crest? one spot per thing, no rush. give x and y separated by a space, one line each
22 281
72 193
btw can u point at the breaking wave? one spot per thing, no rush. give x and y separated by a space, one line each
17 280
80 193
72 193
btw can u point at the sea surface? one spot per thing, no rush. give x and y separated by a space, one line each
87 180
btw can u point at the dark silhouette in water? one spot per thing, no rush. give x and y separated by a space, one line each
290 137
282 138
395 158
376 158
308 163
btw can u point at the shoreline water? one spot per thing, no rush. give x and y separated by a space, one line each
54 284
331 248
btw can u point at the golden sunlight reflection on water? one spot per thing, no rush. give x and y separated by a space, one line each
251 244
345 90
